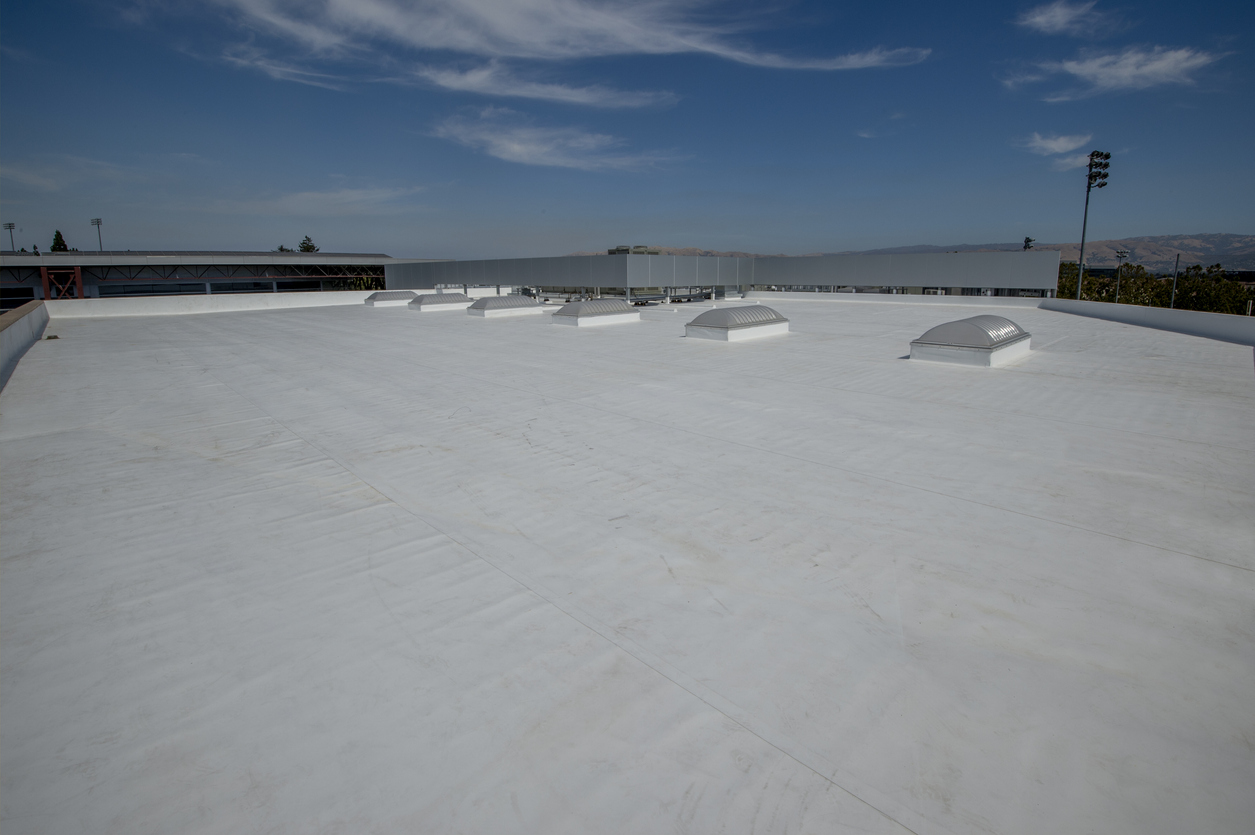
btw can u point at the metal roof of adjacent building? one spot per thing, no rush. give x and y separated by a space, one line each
308 569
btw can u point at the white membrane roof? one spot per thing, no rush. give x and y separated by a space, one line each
324 569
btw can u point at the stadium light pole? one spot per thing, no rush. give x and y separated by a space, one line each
1095 177
12 246
1121 254
99 240
1176 271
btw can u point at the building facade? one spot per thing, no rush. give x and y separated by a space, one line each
1029 274
27 276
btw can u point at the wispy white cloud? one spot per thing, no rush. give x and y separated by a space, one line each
1069 162
1063 18
55 172
506 135
30 178
1048 145
494 79
335 203
1133 69
871 59
535 29
250 57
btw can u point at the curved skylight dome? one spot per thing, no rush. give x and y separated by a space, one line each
980 340
596 312
982 331
506 306
441 300
595 307
738 317
734 324
504 302
386 298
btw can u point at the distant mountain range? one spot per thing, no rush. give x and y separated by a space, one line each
1156 253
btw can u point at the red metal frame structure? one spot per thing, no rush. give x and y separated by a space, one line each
63 283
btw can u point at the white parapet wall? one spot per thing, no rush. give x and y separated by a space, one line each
768 296
179 305
19 330
1224 327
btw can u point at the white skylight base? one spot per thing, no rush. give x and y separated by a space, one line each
963 355
508 311
597 321
736 334
435 308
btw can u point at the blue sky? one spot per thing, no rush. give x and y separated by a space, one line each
490 128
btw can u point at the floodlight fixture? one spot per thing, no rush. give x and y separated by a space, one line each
1095 177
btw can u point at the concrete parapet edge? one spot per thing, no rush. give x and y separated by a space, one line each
1224 327
20 328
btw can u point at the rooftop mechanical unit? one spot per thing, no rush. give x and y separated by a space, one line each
981 340
596 312
736 324
494 306
390 298
440 301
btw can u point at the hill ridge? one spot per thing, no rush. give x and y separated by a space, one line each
1155 252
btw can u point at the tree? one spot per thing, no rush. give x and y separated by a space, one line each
1211 290
58 243
1207 289
306 245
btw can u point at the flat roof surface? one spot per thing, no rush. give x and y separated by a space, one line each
351 569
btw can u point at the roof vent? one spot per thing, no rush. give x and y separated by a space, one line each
390 298
980 340
596 312
440 301
505 306
734 324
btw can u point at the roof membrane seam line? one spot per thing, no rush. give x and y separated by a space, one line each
846 470
895 398
730 711
980 410
734 714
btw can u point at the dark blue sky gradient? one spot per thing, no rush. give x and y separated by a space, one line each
141 117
